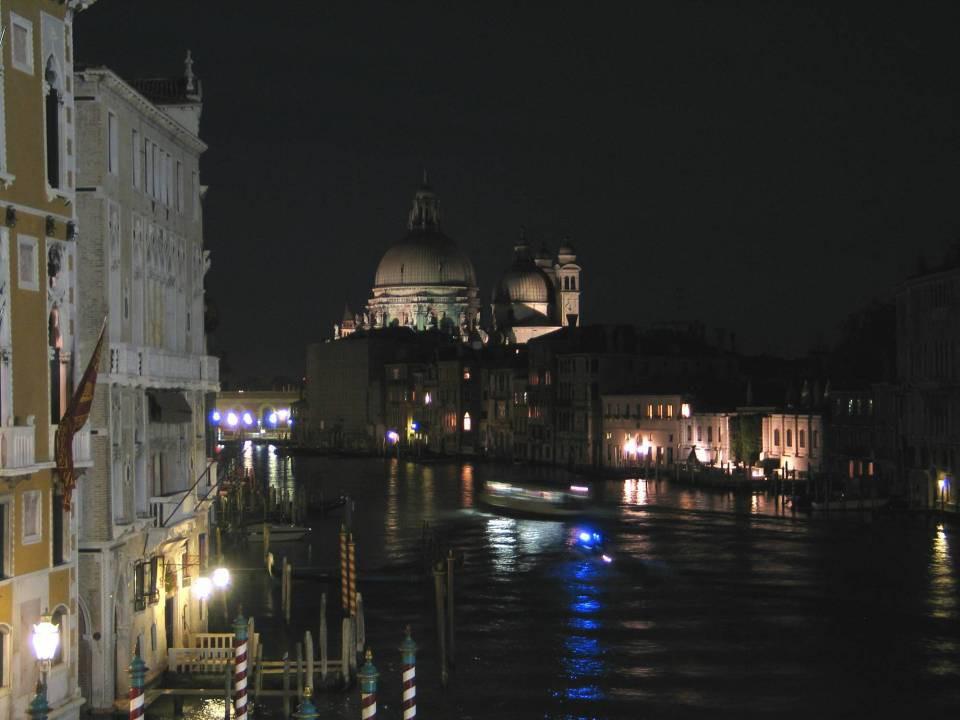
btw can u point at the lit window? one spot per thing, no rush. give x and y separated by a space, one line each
850 469
467 422
660 410
649 410
670 410
466 373
870 469
685 410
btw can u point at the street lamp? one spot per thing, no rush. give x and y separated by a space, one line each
202 587
221 578
45 640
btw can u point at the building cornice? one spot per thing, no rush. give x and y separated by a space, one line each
128 93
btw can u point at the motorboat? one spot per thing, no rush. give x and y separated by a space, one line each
591 543
279 532
536 499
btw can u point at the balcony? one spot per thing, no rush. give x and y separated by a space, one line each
159 368
17 449
82 457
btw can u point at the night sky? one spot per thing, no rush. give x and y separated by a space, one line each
766 167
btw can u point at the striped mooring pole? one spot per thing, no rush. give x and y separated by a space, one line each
344 572
368 688
408 668
352 555
138 671
307 710
240 668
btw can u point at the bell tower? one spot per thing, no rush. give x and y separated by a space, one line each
567 273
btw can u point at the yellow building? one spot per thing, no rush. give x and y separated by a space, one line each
38 355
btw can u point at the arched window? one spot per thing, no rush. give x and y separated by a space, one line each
573 283
467 422
59 618
789 438
52 104
776 438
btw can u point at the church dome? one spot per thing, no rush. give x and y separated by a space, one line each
425 256
523 285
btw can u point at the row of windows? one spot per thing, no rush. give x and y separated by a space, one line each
653 410
700 433
801 438
854 406
155 171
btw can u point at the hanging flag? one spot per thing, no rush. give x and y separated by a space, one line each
74 419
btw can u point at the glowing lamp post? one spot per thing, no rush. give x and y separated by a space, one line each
45 640
221 578
202 587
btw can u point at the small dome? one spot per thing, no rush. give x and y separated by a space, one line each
523 285
425 257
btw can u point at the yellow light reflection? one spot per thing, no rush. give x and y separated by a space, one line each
466 485
943 581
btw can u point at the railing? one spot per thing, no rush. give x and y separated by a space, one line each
211 652
17 447
154 365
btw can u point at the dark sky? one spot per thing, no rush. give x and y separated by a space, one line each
761 166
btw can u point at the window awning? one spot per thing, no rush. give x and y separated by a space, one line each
169 406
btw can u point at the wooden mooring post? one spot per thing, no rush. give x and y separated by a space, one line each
438 584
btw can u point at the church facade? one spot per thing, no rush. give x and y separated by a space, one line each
425 282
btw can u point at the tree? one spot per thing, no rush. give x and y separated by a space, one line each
745 439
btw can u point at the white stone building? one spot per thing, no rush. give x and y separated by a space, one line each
795 440
537 294
650 430
425 281
144 523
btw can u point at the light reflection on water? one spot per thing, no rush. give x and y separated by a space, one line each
943 581
715 602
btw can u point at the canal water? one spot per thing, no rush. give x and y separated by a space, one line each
714 606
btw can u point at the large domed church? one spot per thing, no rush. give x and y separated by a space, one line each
426 282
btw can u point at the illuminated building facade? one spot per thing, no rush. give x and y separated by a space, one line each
795 441
661 430
41 356
144 518
247 414
537 295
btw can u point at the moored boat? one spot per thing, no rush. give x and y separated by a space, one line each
851 504
278 532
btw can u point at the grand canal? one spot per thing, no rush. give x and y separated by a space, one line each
715 605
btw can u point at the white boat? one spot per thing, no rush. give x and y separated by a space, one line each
278 533
532 499
851 504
